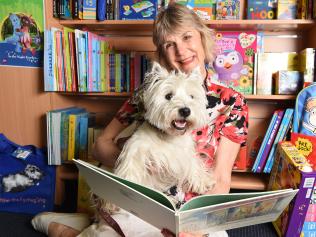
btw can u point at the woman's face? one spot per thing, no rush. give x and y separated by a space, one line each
184 50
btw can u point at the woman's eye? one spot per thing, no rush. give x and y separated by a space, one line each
187 37
168 96
168 45
192 97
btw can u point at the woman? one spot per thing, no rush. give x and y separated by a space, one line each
184 42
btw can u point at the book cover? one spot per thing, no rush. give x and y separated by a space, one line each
205 9
137 10
234 62
270 63
291 169
89 9
283 129
287 9
201 214
261 9
270 141
227 10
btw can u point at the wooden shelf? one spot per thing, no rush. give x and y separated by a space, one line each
127 94
139 27
270 97
249 181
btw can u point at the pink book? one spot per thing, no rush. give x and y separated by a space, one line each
234 62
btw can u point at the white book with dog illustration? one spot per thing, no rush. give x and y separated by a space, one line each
202 214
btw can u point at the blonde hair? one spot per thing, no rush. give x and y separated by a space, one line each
174 17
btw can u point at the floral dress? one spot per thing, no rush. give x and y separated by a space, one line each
228 113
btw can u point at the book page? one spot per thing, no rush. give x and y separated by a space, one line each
117 191
233 210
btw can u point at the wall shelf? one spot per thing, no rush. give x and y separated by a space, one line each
140 27
127 94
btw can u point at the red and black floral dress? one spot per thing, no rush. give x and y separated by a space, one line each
228 117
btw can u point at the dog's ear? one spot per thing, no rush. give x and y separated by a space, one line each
158 69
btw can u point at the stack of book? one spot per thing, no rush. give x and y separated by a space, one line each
277 131
70 134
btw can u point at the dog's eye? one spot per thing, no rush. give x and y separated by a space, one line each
192 97
168 96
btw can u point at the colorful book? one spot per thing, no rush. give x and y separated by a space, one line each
137 10
287 9
261 9
234 62
223 211
268 146
284 127
205 9
89 9
265 140
291 169
227 10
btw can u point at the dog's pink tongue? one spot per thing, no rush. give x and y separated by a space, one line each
180 123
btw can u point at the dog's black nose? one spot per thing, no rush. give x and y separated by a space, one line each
184 112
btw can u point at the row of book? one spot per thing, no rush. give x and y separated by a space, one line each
242 63
81 61
71 133
277 131
207 10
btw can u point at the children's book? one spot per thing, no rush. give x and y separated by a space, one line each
291 169
287 9
205 9
228 10
271 137
201 214
283 129
265 140
137 10
261 9
234 62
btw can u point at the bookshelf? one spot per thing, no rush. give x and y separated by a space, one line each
135 35
24 103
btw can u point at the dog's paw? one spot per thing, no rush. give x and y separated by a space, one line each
202 183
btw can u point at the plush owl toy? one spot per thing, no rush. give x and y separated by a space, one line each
229 65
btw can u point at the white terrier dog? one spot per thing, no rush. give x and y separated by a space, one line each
161 153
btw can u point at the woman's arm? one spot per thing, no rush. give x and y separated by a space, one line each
105 150
225 156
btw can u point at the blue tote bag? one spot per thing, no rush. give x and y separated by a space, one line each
27 183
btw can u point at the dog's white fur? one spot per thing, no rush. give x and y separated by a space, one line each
161 153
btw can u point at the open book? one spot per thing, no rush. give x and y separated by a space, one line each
202 214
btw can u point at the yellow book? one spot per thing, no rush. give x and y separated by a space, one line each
71 136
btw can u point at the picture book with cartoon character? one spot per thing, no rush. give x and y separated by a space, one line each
201 214
21 37
234 62
137 10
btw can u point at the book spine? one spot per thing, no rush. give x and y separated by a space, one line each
71 136
264 142
102 66
301 204
270 141
279 137
83 137
101 10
